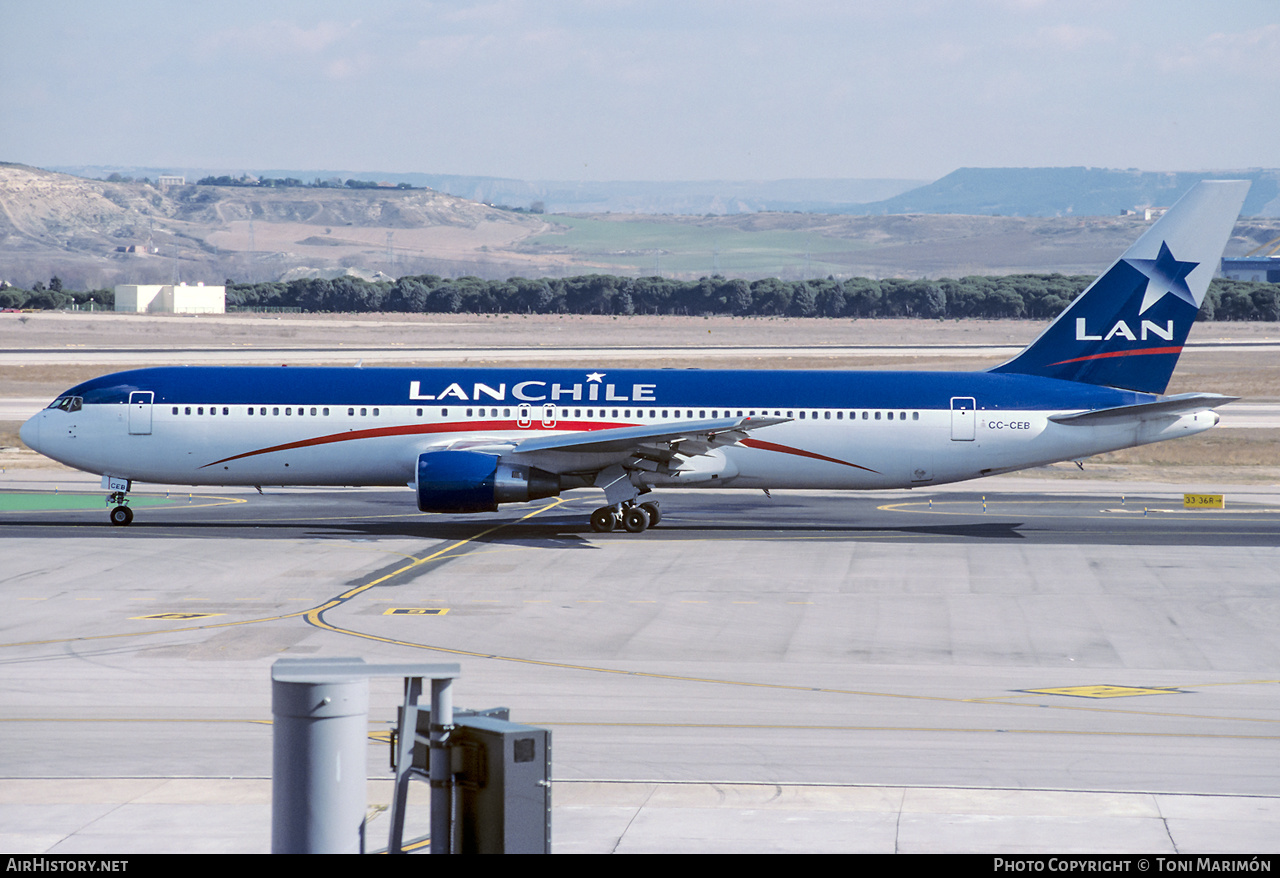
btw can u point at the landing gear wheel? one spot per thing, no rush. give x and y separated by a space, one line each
121 516
655 514
604 520
635 520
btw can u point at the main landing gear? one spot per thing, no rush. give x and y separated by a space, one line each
632 517
121 515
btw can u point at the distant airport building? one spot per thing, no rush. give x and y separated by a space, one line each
171 180
1255 268
1147 213
167 298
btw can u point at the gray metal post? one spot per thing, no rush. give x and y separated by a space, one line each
441 770
319 788
404 762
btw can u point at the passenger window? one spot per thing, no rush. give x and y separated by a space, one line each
188 410
175 409
877 416
275 410
915 416
891 416
200 410
325 412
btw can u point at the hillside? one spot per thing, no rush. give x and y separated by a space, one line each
79 228
1067 192
96 234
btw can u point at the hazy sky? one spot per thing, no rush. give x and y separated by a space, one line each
652 90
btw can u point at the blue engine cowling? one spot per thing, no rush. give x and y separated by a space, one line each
470 481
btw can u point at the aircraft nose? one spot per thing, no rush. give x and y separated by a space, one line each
29 433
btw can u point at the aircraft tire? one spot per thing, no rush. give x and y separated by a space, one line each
655 514
603 520
121 516
635 520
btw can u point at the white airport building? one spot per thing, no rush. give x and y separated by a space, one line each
171 298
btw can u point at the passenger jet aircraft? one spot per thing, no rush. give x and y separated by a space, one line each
467 440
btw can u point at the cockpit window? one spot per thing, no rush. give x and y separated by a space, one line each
67 403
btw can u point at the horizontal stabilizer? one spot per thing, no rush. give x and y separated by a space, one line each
1170 406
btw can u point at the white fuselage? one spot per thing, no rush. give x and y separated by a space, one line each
354 445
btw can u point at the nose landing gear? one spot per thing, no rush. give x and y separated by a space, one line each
121 514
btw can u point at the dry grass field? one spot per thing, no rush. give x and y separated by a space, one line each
607 342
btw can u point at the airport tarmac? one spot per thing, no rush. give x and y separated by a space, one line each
1011 665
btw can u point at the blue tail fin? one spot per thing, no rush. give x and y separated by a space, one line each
1128 328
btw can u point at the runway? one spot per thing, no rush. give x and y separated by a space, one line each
1010 662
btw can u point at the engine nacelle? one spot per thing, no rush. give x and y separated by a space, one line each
471 481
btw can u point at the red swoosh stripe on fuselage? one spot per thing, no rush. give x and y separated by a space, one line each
1139 353
568 426
799 452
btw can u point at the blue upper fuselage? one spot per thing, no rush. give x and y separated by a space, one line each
249 385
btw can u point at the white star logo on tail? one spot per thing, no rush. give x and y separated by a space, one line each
1166 276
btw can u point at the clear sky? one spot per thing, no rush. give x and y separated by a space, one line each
643 90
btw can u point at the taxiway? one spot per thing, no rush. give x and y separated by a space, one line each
1016 664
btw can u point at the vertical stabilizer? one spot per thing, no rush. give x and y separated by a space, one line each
1128 328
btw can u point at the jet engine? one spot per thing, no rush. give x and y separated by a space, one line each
471 481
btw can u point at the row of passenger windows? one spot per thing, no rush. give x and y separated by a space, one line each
688 413
276 410
313 411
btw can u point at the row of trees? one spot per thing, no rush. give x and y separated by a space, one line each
291 183
1029 296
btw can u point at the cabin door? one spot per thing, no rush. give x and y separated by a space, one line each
963 417
140 412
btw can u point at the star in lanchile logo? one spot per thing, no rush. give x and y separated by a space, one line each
595 376
1166 276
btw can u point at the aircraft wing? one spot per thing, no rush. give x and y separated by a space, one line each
1170 406
657 447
